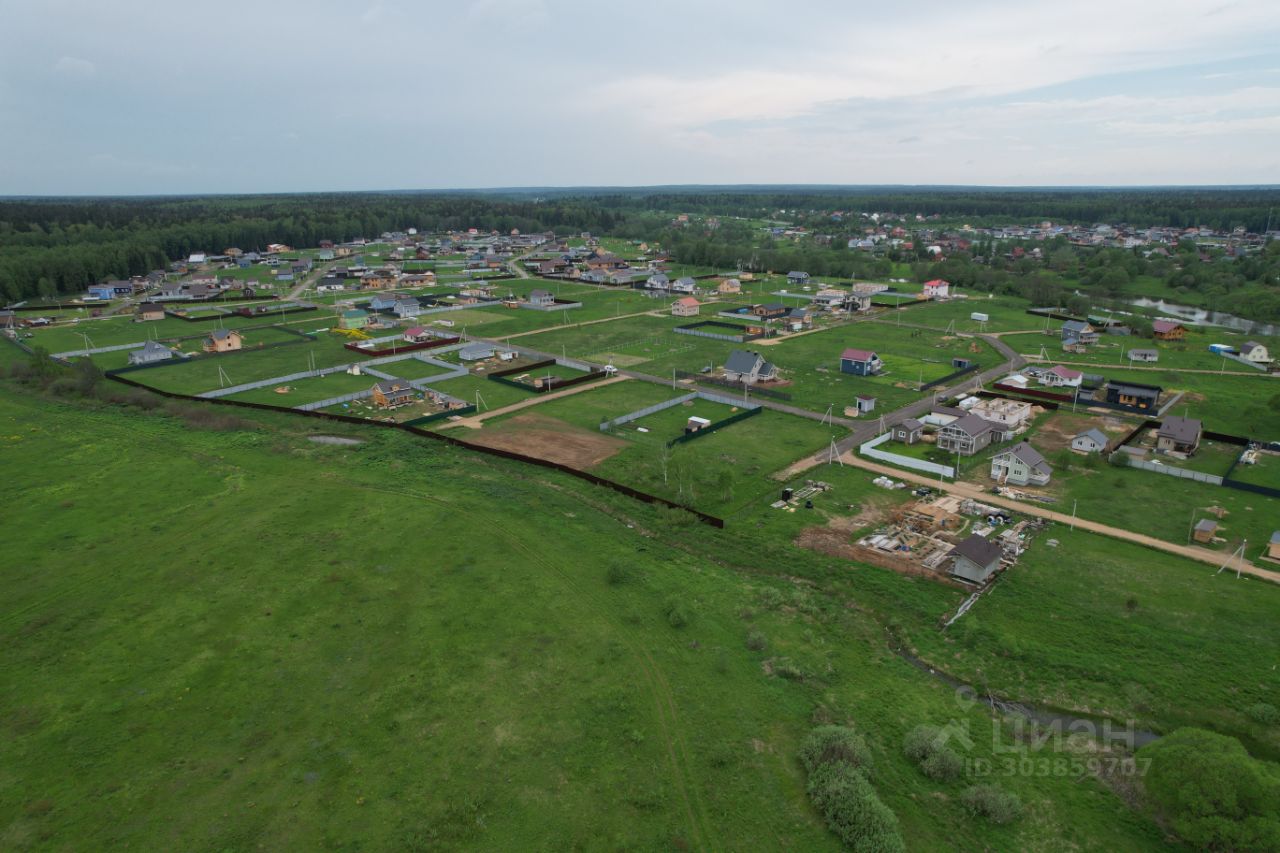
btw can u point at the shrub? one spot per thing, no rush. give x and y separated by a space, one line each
942 765
618 573
788 669
1214 794
831 744
926 746
1131 603
920 742
676 613
992 802
853 811
1265 713
756 641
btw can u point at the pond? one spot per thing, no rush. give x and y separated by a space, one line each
1202 316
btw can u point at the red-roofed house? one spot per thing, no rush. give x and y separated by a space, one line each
416 335
1168 330
686 307
860 362
1059 376
937 289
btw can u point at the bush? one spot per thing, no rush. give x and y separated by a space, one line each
1213 793
756 641
1265 713
920 742
992 802
676 613
618 573
926 746
849 804
943 765
831 744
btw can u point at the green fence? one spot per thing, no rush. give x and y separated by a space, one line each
439 416
710 428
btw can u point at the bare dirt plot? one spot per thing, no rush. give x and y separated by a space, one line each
550 439
1058 430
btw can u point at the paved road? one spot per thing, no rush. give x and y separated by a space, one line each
968 490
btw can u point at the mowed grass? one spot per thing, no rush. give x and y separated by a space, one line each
1004 314
199 374
308 390
1191 353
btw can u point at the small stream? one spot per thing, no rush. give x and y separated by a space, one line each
1102 728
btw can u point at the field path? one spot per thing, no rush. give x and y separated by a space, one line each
476 421
968 490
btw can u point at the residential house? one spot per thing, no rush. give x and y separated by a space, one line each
748 367
860 362
975 559
620 276
354 319
729 286
597 276
1204 530
799 318
1020 465
149 311
391 393
967 435
1178 435
831 299
770 310
658 281
1148 355
1061 377
541 298
407 307
416 335
223 340
1078 334
1255 352
685 307
101 291
151 352
937 289
1168 330
1134 395
797 277
1090 441
909 431
684 284
385 301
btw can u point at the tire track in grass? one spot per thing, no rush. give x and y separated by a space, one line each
658 686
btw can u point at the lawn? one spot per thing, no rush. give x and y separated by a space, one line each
309 390
201 373
1004 314
291 683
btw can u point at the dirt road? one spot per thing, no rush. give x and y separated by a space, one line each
967 490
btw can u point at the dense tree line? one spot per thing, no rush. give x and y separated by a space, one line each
50 247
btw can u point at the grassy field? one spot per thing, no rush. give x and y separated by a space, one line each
201 374
309 390
288 683
1005 314
1192 353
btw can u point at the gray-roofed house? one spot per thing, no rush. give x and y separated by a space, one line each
909 431
1149 355
1255 352
658 281
1178 434
393 392
1020 465
1077 334
684 284
975 559
150 353
1133 395
1092 440
797 277
407 307
749 367
541 297
967 435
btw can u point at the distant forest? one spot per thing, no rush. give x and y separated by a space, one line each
52 247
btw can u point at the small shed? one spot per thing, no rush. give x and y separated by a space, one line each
696 423
1204 530
865 404
909 431
975 559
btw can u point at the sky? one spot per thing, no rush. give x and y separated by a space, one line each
141 97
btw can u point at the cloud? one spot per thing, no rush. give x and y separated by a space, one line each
73 66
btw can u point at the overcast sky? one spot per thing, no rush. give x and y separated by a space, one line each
129 96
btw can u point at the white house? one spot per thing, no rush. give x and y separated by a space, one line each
937 289
1255 352
685 307
1061 377
1020 465
1089 441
